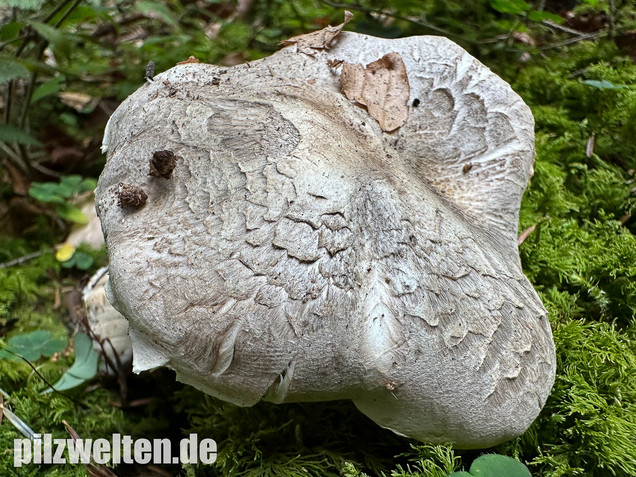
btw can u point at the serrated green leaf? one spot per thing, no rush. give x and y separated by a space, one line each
33 345
84 367
11 70
47 88
71 213
12 134
496 465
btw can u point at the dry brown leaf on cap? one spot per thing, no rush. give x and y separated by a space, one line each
318 40
383 87
191 59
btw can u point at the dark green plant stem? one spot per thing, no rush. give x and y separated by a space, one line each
589 36
612 10
68 12
56 10
19 260
43 378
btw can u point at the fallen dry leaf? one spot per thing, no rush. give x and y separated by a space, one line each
78 101
191 59
383 87
318 40
524 235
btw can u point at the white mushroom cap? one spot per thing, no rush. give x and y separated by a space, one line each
300 253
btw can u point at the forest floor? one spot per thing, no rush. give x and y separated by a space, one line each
66 65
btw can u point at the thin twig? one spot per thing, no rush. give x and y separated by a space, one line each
612 10
56 10
19 260
35 370
589 36
556 26
67 13
46 170
430 26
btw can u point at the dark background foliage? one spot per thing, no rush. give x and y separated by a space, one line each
65 65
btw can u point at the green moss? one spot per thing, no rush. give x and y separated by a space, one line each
588 424
581 258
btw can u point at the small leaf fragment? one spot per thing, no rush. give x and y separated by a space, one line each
383 87
11 69
191 59
84 367
318 40
71 213
33 345
65 252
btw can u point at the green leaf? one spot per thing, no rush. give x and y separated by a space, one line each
12 69
83 261
47 88
46 192
496 465
23 4
157 10
33 345
10 133
57 39
10 31
80 260
87 184
537 16
604 84
76 184
84 367
461 473
514 7
72 182
71 213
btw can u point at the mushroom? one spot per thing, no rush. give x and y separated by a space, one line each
313 244
109 328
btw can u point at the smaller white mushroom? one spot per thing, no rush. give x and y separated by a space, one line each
107 324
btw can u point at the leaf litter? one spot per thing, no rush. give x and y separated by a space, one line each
383 87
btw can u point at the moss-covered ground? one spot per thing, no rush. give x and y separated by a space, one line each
580 255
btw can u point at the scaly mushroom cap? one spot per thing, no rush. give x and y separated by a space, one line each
298 252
